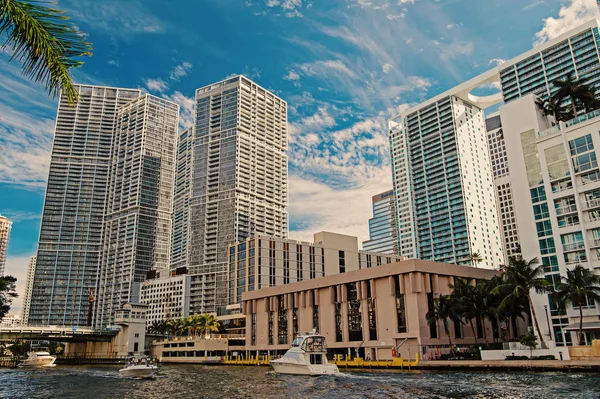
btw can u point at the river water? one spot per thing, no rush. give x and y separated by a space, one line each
197 381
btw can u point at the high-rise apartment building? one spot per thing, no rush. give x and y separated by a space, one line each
5 226
441 166
28 291
556 187
239 180
167 297
70 244
137 229
504 196
181 200
383 234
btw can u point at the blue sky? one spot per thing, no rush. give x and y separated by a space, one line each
343 66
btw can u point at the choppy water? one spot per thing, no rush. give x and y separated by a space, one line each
196 381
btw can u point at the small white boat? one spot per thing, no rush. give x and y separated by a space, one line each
307 356
39 357
138 367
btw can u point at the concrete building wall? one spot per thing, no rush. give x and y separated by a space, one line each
28 291
417 281
166 297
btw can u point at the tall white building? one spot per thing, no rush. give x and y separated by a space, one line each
137 230
70 245
504 197
166 297
5 226
239 180
556 181
181 201
28 291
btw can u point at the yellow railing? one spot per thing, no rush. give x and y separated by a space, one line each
357 362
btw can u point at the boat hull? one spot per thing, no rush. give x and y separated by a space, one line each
303 369
39 362
139 371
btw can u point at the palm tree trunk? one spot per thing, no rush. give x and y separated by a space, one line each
483 329
513 321
573 107
537 326
474 332
580 322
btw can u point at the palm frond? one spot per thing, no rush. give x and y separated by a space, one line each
45 42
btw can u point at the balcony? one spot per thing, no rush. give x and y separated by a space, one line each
567 209
593 203
573 246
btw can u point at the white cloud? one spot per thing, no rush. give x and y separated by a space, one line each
17 216
400 2
386 67
180 70
317 67
186 108
453 26
497 61
570 16
292 75
272 3
157 85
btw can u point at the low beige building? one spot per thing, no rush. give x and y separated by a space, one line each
372 312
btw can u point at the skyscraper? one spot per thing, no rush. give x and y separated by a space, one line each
137 231
239 180
28 291
383 233
5 226
70 242
181 200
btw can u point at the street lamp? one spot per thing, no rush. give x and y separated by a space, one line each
548 321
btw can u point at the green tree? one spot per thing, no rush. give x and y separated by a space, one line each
476 258
207 323
462 292
529 340
176 326
445 309
45 42
193 324
519 279
8 291
580 286
553 108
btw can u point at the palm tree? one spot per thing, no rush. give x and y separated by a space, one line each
553 108
45 42
580 286
462 291
176 326
193 324
207 323
520 277
445 309
476 258
575 90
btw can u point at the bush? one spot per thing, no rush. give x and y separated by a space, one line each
545 357
460 356
516 358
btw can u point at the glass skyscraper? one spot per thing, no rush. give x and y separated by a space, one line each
382 227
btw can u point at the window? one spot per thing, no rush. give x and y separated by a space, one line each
538 194
541 211
282 324
550 263
585 162
271 328
544 228
354 313
547 246
342 260
581 144
253 330
400 306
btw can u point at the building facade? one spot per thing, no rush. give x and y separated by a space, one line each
166 297
504 197
137 230
5 226
239 180
371 311
450 192
181 200
556 180
383 232
260 261
28 291
11 320
70 245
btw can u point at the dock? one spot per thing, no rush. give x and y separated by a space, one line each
396 363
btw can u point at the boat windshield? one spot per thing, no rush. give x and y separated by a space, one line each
297 341
314 344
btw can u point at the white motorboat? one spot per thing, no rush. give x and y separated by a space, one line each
307 356
39 357
138 367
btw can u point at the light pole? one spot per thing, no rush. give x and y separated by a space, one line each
548 321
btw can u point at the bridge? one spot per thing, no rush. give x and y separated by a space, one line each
71 334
